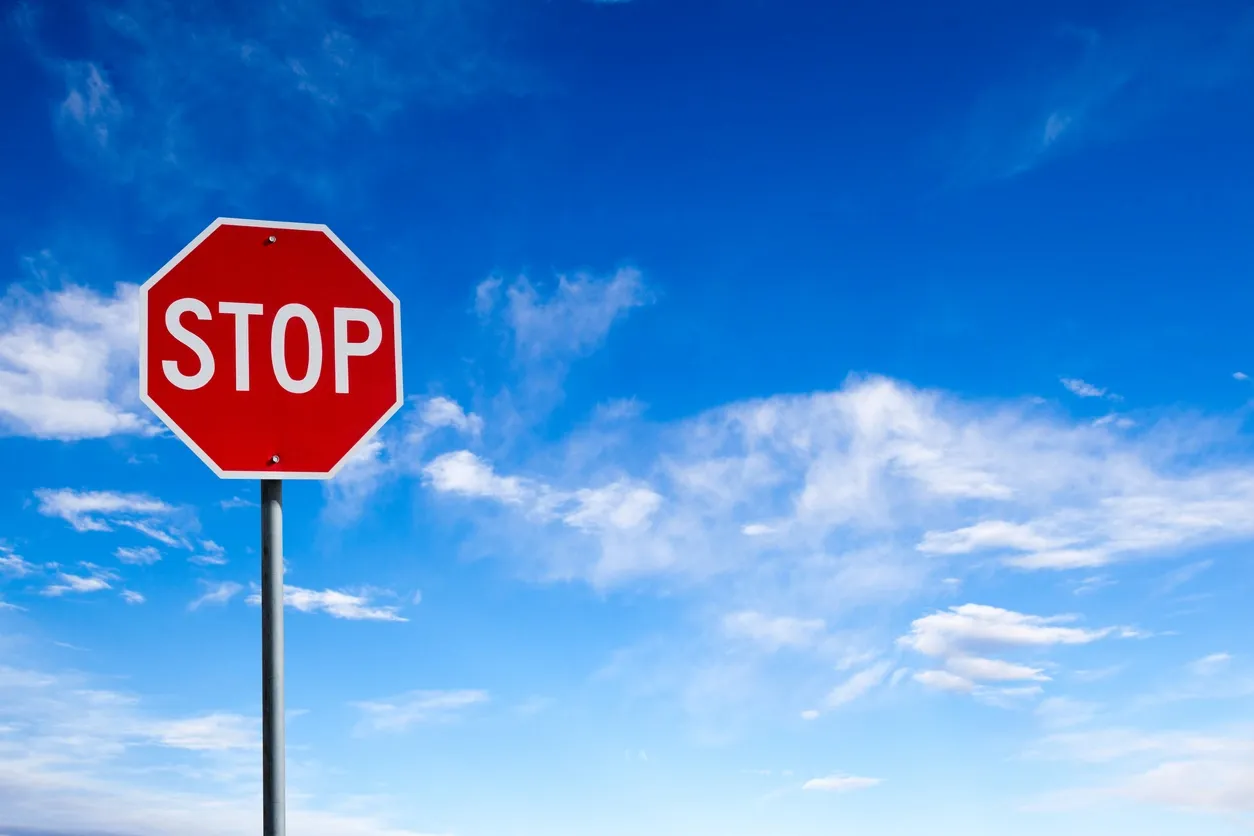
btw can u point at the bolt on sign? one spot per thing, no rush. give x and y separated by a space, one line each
270 349
273 353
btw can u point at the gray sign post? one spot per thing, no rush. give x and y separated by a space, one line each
272 745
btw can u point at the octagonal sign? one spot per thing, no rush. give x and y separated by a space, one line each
270 349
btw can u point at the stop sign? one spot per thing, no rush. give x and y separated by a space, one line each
270 349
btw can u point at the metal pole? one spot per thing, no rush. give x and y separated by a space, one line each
272 746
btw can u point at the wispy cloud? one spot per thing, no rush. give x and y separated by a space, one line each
1090 86
349 492
417 708
857 685
216 594
351 606
13 564
103 510
1065 712
438 412
344 71
572 321
840 783
236 502
75 756
549 332
1200 771
212 555
773 633
141 556
96 580
1082 388
1208 665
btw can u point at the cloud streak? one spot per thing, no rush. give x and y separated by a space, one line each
402 713
1088 87
344 605
88 511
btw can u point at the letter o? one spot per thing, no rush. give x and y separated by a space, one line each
278 348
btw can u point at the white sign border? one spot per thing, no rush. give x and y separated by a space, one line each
183 436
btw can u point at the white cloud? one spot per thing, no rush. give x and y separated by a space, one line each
90 103
208 733
1184 574
236 502
335 603
13 564
840 783
1212 785
1104 745
439 412
132 597
1145 516
872 495
75 758
214 555
142 556
619 505
988 535
1240 376
548 332
349 492
1208 772
845 478
974 626
1006 698
857 685
67 364
961 636
1122 422
417 708
1208 665
102 510
465 473
810 714
572 321
944 681
773 633
398 451
1082 389
96 580
997 670
1065 712
216 593
487 294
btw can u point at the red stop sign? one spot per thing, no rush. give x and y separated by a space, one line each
270 349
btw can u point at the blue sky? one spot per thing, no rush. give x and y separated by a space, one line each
821 418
